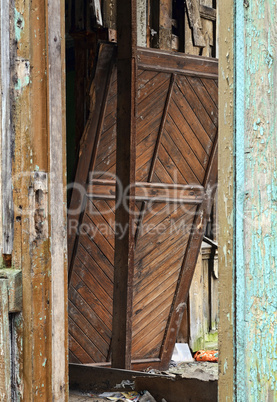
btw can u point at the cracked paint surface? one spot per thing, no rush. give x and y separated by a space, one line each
256 309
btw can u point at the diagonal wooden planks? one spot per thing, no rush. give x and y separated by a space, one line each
176 136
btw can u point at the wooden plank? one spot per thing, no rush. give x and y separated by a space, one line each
179 64
57 175
139 330
5 359
180 389
101 293
195 22
88 329
155 270
186 194
152 347
177 162
150 88
197 107
156 298
100 379
191 125
182 155
170 167
93 251
161 128
77 349
155 267
150 121
141 292
165 230
190 259
73 358
162 173
88 149
226 201
125 171
205 98
85 342
100 223
194 139
6 133
208 13
212 89
95 235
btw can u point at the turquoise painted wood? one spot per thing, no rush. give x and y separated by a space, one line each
256 200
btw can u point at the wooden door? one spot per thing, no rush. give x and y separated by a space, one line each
176 173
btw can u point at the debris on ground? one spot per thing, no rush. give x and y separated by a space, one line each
133 396
128 396
205 371
126 384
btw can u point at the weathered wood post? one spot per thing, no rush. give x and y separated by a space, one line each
34 196
248 217
125 171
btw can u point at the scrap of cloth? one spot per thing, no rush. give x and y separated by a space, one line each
206 356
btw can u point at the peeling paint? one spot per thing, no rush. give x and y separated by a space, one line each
256 307
19 24
22 74
239 186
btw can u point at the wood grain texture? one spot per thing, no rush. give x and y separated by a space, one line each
5 358
226 201
176 135
57 145
126 175
195 22
7 229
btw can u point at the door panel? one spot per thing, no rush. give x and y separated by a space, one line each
176 172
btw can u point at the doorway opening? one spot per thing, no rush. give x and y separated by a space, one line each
175 165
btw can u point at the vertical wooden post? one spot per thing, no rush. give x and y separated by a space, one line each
248 183
57 157
226 201
6 132
142 22
5 364
125 170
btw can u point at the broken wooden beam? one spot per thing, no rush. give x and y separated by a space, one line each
195 22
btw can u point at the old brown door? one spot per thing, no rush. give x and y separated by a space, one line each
176 173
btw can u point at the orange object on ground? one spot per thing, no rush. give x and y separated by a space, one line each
206 356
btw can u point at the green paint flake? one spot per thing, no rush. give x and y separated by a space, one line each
18 24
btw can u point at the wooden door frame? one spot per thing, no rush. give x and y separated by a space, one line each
225 200
247 202
33 137
33 130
